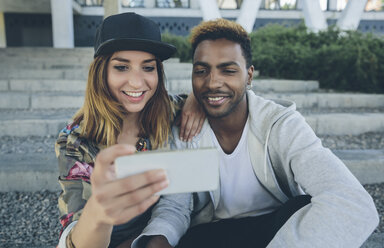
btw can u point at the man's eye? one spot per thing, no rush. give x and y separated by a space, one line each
149 68
199 71
121 67
230 71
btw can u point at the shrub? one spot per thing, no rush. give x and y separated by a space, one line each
347 61
184 50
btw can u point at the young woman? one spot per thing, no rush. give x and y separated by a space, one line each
126 109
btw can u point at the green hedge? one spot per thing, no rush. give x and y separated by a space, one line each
184 50
345 61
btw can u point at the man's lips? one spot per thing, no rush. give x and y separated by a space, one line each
216 100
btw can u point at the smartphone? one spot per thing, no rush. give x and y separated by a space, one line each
190 170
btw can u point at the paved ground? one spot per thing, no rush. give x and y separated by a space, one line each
30 220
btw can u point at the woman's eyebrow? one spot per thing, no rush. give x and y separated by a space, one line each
149 60
121 59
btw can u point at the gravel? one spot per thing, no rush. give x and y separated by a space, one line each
30 144
37 144
31 219
351 142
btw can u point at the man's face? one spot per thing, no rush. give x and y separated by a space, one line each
220 77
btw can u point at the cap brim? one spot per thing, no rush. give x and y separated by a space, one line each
161 50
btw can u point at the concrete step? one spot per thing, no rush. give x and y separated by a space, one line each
42 85
283 85
23 123
81 73
36 94
44 52
67 62
366 165
42 122
39 171
345 123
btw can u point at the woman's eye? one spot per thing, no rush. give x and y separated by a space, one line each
149 68
121 67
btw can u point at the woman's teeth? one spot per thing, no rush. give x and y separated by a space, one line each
133 94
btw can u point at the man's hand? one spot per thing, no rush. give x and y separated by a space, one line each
192 118
158 241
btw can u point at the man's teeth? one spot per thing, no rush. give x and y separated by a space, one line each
218 98
133 94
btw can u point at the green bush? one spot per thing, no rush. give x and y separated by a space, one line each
345 61
184 50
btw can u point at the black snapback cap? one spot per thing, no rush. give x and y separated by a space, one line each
130 31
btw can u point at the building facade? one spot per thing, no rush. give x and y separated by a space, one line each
72 23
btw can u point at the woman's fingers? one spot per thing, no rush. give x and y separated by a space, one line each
104 170
134 202
121 208
149 179
119 200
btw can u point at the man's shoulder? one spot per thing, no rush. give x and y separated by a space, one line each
258 103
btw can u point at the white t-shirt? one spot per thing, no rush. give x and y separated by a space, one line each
241 191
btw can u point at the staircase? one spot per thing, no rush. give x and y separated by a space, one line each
41 88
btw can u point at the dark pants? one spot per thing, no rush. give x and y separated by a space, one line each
245 232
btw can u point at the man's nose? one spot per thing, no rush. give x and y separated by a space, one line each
214 80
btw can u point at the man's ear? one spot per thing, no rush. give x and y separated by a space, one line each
250 74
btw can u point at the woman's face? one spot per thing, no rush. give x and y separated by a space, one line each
132 78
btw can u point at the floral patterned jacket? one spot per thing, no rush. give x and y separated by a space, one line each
76 157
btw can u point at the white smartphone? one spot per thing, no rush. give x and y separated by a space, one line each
191 170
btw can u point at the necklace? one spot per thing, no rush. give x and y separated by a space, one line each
142 145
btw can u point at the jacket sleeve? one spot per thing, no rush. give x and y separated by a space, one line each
341 213
75 167
170 218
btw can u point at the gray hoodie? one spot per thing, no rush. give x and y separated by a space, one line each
288 159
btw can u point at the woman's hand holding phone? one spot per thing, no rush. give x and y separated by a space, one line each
115 201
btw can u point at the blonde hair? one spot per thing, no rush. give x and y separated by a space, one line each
101 116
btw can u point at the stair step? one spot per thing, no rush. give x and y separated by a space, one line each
282 85
366 165
45 94
346 123
39 171
49 121
77 73
330 100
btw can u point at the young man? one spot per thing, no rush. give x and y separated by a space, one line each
279 187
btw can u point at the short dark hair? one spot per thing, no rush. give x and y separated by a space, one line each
222 28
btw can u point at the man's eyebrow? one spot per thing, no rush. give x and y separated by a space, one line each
225 64
197 63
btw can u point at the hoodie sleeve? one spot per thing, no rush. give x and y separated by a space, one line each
170 218
341 213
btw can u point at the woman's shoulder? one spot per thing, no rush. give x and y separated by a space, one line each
71 143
